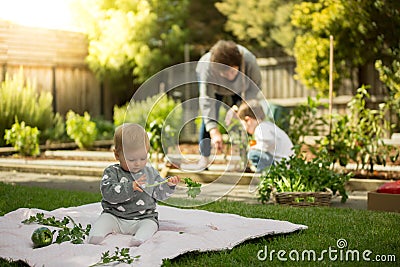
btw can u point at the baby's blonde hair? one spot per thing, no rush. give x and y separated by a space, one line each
130 136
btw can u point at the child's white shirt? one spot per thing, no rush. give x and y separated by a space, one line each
272 139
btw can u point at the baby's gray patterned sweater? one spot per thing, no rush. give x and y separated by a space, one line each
121 200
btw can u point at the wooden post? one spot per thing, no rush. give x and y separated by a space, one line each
102 99
54 88
330 81
4 72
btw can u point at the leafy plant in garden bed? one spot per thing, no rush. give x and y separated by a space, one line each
296 174
24 139
354 137
81 129
358 137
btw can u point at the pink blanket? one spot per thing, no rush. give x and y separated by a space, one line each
181 231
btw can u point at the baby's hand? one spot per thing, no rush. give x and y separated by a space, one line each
173 180
137 185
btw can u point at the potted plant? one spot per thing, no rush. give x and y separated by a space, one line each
300 182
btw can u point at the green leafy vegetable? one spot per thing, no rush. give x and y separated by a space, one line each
120 256
193 187
50 221
76 234
42 237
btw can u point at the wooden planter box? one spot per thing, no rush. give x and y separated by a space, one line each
383 201
303 199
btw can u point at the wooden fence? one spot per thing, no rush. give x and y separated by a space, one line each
55 60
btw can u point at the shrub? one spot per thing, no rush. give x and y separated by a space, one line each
19 98
81 129
24 139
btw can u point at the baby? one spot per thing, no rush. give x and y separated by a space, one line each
129 207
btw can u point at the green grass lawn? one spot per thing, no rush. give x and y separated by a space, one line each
378 232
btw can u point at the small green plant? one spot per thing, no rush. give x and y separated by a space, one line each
296 174
120 255
81 129
24 139
75 235
193 187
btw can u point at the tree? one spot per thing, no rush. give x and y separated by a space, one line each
133 36
269 25
364 31
205 28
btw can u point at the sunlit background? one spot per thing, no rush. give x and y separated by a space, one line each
51 14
